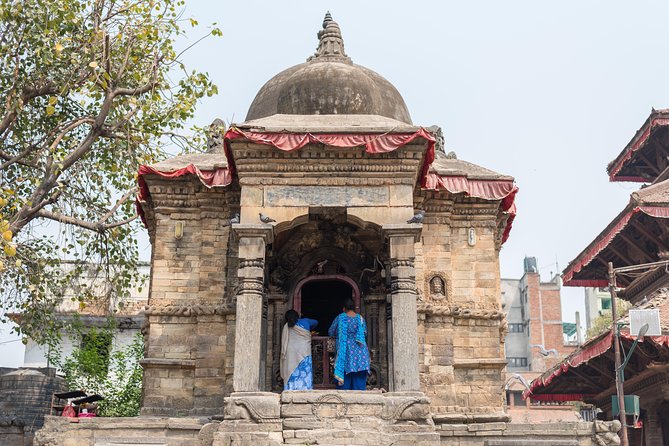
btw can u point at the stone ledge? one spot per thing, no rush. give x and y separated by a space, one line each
463 418
167 363
495 363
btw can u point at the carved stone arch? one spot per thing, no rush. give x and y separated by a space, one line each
296 292
330 253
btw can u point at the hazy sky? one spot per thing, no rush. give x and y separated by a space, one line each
548 92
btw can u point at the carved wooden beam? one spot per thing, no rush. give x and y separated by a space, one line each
633 245
648 163
604 371
622 256
585 377
650 236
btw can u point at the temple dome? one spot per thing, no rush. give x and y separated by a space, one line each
329 83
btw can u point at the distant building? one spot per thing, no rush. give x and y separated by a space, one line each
597 303
128 314
534 315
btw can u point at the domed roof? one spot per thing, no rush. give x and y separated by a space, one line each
329 83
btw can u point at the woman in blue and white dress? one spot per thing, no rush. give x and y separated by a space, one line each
296 364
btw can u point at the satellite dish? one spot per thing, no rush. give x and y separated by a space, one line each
641 318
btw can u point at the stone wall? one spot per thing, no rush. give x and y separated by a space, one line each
60 431
462 329
187 353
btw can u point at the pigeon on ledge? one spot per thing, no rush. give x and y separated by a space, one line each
235 219
265 218
418 218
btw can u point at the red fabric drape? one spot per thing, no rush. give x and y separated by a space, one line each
561 396
574 360
210 178
583 355
373 143
504 190
629 151
592 252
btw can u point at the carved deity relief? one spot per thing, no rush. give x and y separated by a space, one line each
436 286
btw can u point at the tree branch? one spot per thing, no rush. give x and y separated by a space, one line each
98 227
122 200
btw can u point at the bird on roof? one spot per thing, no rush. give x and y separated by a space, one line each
543 350
265 219
517 377
418 218
235 219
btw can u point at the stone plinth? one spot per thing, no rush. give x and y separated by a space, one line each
323 417
156 431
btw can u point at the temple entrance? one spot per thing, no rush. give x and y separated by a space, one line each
323 301
322 298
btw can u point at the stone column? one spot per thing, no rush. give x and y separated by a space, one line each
253 240
403 295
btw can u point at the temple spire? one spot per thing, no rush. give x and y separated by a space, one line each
330 42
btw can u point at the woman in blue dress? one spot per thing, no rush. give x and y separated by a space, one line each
296 370
352 361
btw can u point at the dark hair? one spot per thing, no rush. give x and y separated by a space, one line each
349 305
291 317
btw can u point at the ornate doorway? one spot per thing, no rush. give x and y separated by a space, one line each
321 297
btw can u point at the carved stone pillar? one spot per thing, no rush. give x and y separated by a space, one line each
253 240
403 295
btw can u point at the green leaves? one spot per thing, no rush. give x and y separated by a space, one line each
97 368
90 90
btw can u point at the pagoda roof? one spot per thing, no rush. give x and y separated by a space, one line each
644 158
636 235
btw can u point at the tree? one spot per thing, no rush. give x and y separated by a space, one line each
603 322
96 367
89 90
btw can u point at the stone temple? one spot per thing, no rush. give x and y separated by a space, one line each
329 158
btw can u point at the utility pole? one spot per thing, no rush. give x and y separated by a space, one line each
616 349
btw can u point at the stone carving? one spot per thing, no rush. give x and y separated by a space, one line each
436 284
257 407
411 408
461 313
329 406
396 263
215 135
606 433
251 286
251 263
187 310
329 240
503 330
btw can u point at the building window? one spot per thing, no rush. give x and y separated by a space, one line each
517 362
516 328
606 303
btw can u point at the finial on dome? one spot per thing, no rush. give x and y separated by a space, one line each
327 19
330 42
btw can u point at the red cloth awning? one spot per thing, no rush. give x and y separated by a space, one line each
588 351
593 250
504 190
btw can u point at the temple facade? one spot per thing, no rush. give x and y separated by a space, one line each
328 153
326 191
